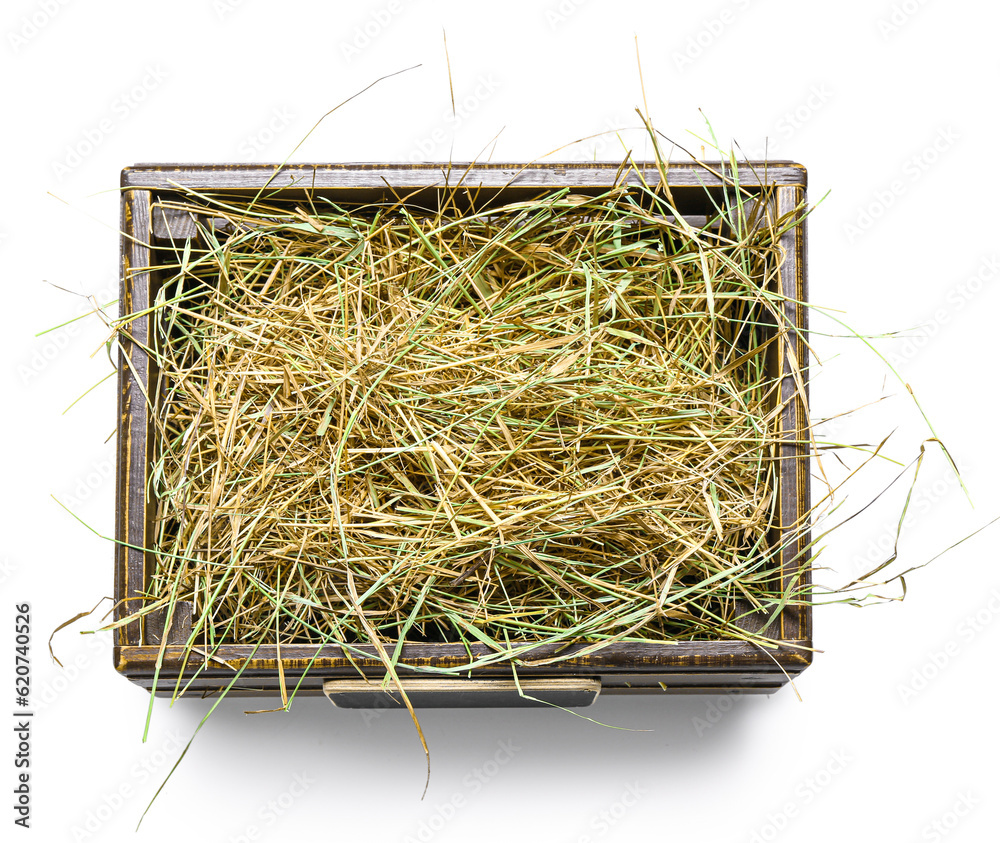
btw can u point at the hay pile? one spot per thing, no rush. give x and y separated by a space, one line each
546 421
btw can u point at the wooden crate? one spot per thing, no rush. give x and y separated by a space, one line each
684 667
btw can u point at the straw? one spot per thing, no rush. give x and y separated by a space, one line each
546 422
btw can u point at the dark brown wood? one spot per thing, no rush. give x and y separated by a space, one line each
794 485
179 629
133 419
683 667
627 667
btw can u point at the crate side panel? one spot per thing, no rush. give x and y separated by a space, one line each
132 517
405 177
794 449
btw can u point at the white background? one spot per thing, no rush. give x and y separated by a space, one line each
891 106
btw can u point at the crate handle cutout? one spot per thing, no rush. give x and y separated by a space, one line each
566 692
